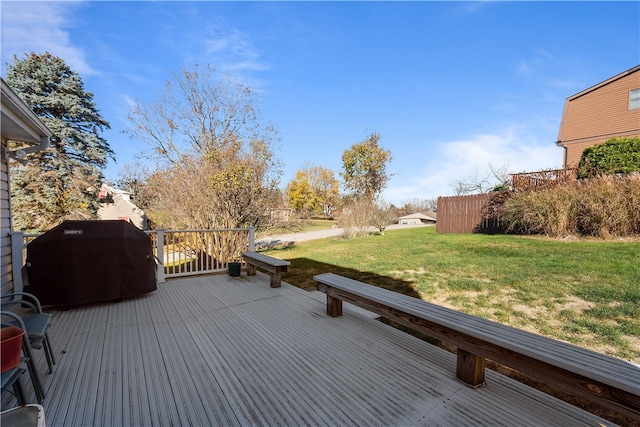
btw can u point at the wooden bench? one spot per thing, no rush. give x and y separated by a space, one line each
611 382
274 266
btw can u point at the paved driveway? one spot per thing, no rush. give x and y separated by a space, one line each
283 239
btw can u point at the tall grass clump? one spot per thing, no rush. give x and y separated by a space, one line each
549 211
606 206
609 206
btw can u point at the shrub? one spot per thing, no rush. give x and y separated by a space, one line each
617 155
608 206
549 211
356 218
600 207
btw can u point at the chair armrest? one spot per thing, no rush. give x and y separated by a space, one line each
34 303
16 317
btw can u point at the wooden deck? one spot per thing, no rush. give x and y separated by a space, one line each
214 350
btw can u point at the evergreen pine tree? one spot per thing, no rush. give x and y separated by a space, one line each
62 181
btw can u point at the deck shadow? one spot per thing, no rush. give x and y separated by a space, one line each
302 270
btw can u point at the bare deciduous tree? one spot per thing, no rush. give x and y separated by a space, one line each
215 161
356 217
496 178
182 195
383 215
418 205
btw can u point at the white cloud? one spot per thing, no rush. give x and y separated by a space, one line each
562 72
538 59
472 7
234 52
126 103
129 101
40 27
215 46
455 160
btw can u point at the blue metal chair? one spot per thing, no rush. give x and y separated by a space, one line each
10 318
26 307
12 379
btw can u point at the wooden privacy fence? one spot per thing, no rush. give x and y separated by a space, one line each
464 214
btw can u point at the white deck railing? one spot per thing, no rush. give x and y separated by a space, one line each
177 252
190 252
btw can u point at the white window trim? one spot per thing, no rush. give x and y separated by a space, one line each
634 99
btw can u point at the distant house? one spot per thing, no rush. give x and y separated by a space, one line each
609 109
116 204
418 218
280 215
19 123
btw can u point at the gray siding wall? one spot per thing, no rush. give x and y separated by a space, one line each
5 223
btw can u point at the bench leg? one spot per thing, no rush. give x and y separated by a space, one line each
251 270
276 278
334 306
470 368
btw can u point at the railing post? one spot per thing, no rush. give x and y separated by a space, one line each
252 239
160 277
17 259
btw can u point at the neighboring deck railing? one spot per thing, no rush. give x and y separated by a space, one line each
528 181
177 252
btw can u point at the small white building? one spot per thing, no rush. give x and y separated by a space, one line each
117 204
418 218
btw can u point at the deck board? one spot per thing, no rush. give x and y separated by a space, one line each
215 350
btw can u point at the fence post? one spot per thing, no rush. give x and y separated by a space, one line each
17 259
252 239
160 276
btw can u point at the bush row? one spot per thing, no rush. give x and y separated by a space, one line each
604 206
617 155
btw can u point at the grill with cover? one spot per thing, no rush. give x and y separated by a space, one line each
80 262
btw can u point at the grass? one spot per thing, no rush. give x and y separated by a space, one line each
586 292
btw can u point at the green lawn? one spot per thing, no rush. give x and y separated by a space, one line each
584 292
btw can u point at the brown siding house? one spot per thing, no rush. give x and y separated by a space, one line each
609 109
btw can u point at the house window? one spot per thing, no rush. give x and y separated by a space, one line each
634 99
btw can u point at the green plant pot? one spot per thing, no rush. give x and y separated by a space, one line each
234 269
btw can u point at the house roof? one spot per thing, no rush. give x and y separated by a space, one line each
418 215
19 122
605 82
124 196
432 214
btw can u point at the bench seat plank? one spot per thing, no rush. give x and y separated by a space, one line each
610 381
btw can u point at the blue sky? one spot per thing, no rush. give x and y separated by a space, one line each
452 87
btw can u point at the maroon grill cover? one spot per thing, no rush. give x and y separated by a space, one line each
79 262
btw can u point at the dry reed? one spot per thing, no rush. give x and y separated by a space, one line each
606 206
